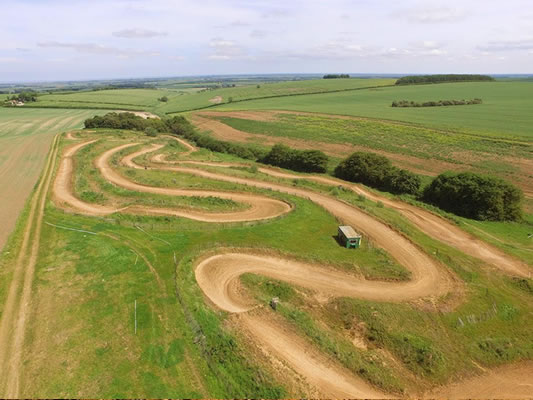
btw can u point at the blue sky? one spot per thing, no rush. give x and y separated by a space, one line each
93 39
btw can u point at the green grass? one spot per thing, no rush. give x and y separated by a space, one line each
505 111
191 98
425 147
81 340
128 99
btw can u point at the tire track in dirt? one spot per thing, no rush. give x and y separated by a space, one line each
431 224
12 325
260 207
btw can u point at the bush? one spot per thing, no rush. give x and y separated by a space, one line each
125 121
475 196
150 132
164 99
368 168
297 160
407 103
336 76
378 172
410 80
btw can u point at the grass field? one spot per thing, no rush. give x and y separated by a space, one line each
25 137
505 112
127 99
424 150
87 283
182 99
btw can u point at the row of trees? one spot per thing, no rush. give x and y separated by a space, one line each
467 194
440 103
25 97
297 160
410 80
125 121
475 196
336 76
377 171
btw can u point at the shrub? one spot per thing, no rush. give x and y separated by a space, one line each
368 168
407 103
377 171
297 160
150 132
164 99
410 80
475 196
336 76
401 181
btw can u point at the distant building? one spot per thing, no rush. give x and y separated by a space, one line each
348 237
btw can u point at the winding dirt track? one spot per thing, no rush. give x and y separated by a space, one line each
218 275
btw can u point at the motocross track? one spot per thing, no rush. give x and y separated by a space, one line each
217 275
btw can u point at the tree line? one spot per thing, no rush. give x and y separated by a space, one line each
336 76
25 97
297 160
410 80
440 103
378 172
466 194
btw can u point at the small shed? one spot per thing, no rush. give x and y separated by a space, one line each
348 237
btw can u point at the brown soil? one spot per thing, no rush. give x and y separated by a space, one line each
513 381
216 100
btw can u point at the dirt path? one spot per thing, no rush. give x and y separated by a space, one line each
218 274
260 207
429 223
511 382
17 307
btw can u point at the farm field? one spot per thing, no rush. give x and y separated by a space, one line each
505 111
424 150
25 138
182 99
141 269
127 99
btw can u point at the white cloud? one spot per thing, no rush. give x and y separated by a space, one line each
508 45
97 49
432 14
137 33
225 49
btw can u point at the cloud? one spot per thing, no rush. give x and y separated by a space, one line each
96 49
137 33
507 45
225 49
257 33
432 15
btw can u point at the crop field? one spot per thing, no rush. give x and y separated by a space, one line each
127 99
159 261
186 99
25 138
505 112
421 149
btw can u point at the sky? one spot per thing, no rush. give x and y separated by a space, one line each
97 39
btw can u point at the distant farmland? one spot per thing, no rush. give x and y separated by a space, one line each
25 136
183 100
506 108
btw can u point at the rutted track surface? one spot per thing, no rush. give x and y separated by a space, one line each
217 275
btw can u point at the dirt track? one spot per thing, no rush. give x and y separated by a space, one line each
17 306
218 275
